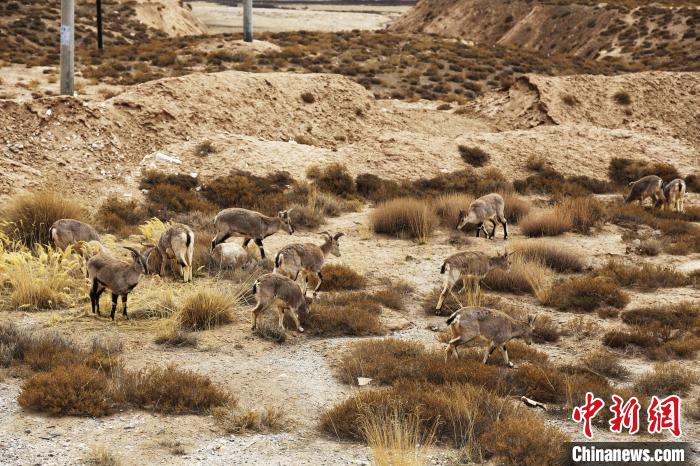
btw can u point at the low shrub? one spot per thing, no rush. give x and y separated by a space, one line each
692 183
515 208
682 316
243 189
360 318
526 440
236 420
518 278
120 216
204 310
547 222
586 294
172 391
447 207
622 98
74 390
152 178
165 200
474 156
205 148
546 330
334 179
176 338
583 212
624 170
553 256
622 339
605 363
338 277
29 217
404 218
646 276
268 329
666 379
308 97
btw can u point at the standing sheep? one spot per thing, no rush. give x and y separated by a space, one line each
67 231
177 244
250 225
650 186
674 195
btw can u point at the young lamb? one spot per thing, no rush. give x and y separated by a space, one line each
271 289
674 194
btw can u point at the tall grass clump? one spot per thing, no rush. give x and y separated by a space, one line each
555 257
28 217
548 222
43 280
447 207
586 294
646 276
667 379
205 309
404 218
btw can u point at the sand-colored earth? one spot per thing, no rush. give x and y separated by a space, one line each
220 18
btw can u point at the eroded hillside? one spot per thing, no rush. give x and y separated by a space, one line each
648 35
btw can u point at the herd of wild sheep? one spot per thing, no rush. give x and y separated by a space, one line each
177 244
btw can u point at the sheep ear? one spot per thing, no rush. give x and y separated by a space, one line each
283 213
338 235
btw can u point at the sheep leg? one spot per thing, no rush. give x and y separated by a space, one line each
256 310
258 241
94 301
126 316
504 350
319 277
162 266
493 230
295 318
503 221
280 313
447 286
219 238
478 229
452 348
115 297
488 352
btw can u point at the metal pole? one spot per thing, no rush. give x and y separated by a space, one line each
248 20
99 24
67 47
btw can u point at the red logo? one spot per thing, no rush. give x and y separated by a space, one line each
665 415
587 412
625 415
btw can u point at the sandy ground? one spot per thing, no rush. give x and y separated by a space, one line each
222 18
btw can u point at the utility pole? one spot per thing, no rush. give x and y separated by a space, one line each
99 24
248 20
67 47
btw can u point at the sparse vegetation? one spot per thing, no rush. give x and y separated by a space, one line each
204 148
645 277
404 218
586 294
474 156
606 364
666 379
624 170
234 419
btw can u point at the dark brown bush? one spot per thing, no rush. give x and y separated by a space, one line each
549 181
248 191
308 97
73 390
119 216
204 148
623 170
377 189
333 178
646 276
622 98
551 255
587 294
165 200
525 440
667 379
152 178
338 277
546 330
172 391
692 182
30 216
682 316
643 338
474 156
360 318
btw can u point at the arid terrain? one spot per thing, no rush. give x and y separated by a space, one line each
383 135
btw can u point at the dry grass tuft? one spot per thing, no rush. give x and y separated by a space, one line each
334 179
526 440
546 222
338 277
586 294
606 364
236 420
120 217
29 217
553 256
204 310
175 338
646 277
360 318
395 436
205 148
404 218
100 455
447 207
516 208
667 379
522 277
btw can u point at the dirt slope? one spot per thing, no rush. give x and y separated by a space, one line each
173 17
576 28
259 122
661 103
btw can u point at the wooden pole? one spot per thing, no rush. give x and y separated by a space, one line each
67 47
99 24
248 20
